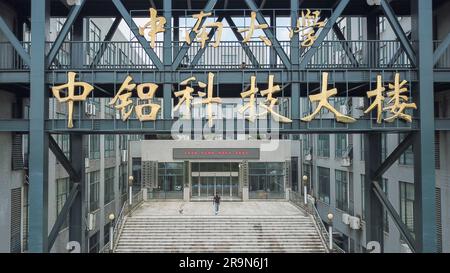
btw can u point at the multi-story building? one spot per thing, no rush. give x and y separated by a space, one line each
236 168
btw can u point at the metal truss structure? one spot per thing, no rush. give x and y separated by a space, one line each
39 65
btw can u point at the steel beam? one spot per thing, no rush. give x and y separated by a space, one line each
384 200
38 157
392 158
443 46
397 54
61 157
201 51
167 60
62 216
185 47
345 45
14 125
275 43
295 61
373 208
12 39
144 43
104 45
423 147
398 30
245 47
74 12
323 34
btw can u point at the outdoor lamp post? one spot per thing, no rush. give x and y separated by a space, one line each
130 187
305 190
111 231
330 228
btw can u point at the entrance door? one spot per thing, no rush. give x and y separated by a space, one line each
208 186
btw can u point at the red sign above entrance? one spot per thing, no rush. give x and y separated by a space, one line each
215 153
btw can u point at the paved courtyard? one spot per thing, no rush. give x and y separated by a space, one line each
259 208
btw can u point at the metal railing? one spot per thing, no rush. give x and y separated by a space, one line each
10 59
311 209
444 60
125 211
228 55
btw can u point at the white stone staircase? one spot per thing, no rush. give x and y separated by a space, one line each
230 233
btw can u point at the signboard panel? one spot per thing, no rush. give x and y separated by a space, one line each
215 153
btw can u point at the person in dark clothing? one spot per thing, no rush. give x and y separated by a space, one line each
216 202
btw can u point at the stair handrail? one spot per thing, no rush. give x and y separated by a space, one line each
310 208
323 230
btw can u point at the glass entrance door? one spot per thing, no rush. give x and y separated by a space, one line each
208 186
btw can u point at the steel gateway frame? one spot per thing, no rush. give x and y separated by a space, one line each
39 68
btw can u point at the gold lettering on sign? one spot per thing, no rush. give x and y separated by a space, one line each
155 24
126 105
322 99
306 27
71 97
252 28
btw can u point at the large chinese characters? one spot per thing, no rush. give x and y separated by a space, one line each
392 105
306 26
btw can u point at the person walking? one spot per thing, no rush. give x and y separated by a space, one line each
216 202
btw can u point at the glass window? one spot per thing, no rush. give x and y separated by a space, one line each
323 145
63 141
94 243
362 148
363 205
351 200
123 180
407 158
106 233
341 145
109 185
386 213
170 176
62 191
110 145
407 204
324 184
136 170
266 179
94 188
94 146
341 190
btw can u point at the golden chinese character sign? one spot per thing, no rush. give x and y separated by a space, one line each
394 103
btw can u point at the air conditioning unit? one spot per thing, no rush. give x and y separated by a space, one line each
354 222
86 163
91 221
308 157
90 109
346 162
118 115
404 248
343 109
346 218
124 155
359 103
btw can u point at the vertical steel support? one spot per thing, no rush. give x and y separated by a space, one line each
423 147
374 209
78 210
273 53
38 160
372 149
176 34
372 35
167 60
295 61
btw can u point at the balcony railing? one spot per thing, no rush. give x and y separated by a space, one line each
228 55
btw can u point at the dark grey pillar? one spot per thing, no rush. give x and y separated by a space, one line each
167 60
38 158
77 214
424 165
